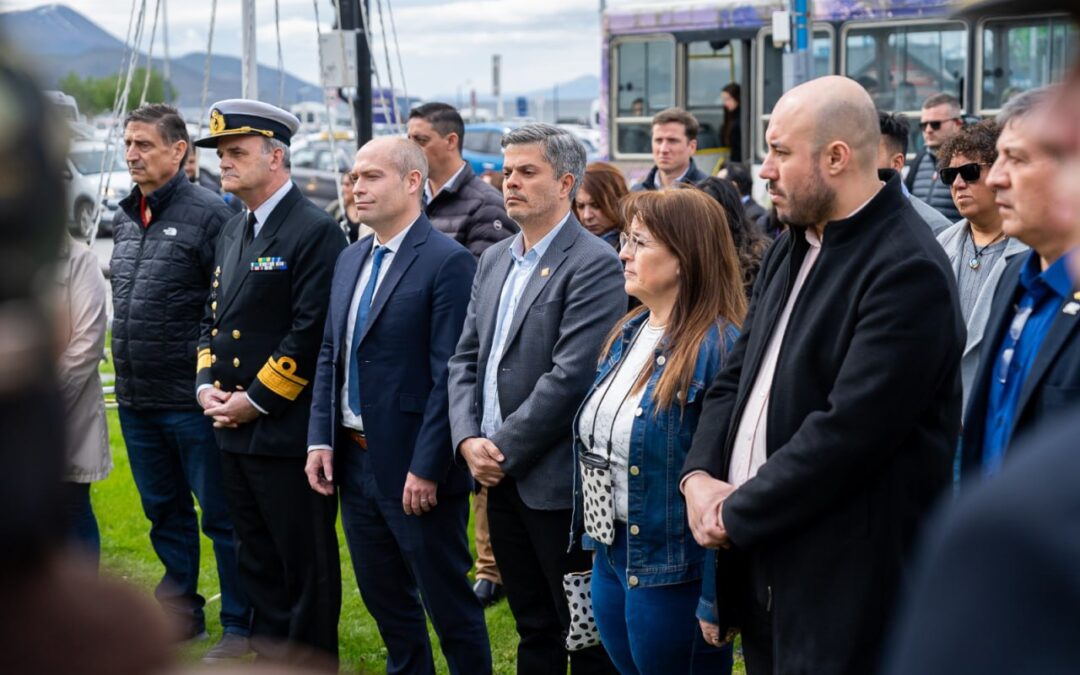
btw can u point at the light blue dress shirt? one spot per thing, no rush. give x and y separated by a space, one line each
522 268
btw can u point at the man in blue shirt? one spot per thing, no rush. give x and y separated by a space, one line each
1030 365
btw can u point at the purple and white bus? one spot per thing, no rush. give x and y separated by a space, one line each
661 55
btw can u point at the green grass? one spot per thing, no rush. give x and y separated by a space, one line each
126 553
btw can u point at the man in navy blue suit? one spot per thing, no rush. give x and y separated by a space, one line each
379 419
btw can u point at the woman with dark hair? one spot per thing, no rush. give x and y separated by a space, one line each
750 243
633 431
597 202
731 132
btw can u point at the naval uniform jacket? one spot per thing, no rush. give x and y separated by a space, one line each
264 321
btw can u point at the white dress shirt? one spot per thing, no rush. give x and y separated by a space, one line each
263 211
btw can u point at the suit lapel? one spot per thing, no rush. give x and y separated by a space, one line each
346 289
1061 329
399 264
259 245
544 271
230 263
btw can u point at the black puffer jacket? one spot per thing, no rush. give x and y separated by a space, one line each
160 280
470 211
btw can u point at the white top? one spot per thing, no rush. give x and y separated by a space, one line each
614 419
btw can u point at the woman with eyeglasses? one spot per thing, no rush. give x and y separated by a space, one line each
977 246
634 430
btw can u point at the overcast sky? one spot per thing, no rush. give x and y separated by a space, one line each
446 45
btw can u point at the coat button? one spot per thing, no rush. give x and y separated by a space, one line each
213 306
213 358
638 412
236 335
214 332
236 362
634 529
634 470
633 581
217 384
216 283
660 360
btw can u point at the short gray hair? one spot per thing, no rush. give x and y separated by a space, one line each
561 149
408 156
270 144
1023 104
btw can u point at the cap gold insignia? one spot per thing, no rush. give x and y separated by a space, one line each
217 121
545 272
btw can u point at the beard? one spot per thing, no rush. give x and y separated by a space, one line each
811 205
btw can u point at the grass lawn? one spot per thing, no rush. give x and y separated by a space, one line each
126 553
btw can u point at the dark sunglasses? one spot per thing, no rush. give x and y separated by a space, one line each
935 124
969 172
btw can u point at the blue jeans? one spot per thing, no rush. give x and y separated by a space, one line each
649 629
173 454
82 524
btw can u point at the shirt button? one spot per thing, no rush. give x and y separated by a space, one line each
638 412
634 529
214 332
660 360
236 335
634 470
236 362
633 581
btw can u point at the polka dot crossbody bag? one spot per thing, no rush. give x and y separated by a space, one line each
597 484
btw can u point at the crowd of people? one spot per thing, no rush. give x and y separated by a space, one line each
723 421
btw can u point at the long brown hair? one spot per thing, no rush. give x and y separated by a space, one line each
693 227
606 185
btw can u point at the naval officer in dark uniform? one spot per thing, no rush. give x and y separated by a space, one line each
256 359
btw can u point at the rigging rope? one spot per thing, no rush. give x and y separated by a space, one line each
150 54
344 222
397 50
389 69
280 59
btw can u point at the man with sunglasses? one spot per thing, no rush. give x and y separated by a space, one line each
977 247
939 121
1030 361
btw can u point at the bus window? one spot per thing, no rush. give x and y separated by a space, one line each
901 64
771 75
1024 54
709 67
645 72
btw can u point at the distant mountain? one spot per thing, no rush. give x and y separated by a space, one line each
583 88
60 40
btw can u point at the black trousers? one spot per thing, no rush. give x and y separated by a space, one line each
288 557
530 546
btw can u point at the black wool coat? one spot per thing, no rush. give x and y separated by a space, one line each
863 419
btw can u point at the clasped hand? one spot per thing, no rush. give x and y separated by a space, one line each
483 458
705 497
229 409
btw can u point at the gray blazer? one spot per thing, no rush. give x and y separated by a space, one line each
568 306
952 240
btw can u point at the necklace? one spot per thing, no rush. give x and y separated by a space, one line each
975 263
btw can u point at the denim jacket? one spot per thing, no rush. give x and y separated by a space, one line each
663 551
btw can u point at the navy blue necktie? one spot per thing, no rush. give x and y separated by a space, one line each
358 328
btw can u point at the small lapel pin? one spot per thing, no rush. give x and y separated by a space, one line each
545 272
1072 308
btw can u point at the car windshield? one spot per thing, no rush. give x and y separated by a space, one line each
90 161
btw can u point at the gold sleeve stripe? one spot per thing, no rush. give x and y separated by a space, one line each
204 359
278 377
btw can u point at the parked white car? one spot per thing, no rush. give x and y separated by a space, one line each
84 177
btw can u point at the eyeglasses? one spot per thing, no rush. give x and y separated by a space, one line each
969 172
632 243
936 124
